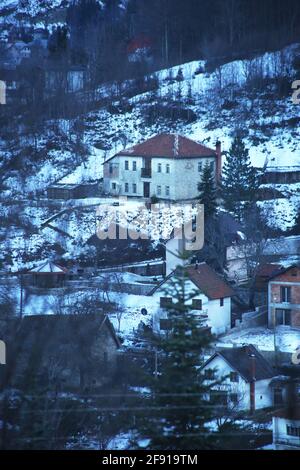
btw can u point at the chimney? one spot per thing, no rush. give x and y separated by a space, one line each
252 383
219 160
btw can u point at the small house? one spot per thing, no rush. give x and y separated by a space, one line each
210 299
245 377
286 429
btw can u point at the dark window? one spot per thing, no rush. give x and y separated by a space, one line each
158 190
293 431
167 190
165 302
234 397
114 185
126 188
218 397
110 168
167 168
209 374
134 166
197 304
126 165
159 167
222 302
134 188
278 397
212 166
283 317
165 324
285 294
200 167
234 377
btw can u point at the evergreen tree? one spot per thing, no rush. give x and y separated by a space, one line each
296 229
178 409
208 192
240 180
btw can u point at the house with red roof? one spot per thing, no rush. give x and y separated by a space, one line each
168 166
207 294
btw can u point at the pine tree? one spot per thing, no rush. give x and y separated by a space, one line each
240 180
178 409
208 192
296 229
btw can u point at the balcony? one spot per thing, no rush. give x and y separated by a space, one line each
146 173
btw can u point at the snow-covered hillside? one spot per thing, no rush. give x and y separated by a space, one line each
217 104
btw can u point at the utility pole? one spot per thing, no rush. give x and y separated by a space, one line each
21 296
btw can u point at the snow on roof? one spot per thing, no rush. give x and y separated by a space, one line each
49 267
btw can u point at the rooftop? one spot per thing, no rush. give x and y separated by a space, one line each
169 146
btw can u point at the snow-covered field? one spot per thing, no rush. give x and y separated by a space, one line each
286 339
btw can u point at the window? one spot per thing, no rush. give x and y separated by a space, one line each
234 398
293 431
200 167
234 377
110 168
165 302
285 294
114 186
165 324
158 190
167 190
126 165
197 304
212 166
134 166
167 168
278 396
218 397
283 317
134 188
159 167
209 374
221 302
126 187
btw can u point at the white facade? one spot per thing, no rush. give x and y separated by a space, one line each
215 314
286 433
238 392
169 178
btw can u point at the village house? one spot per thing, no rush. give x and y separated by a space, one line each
210 299
167 166
63 352
247 378
18 51
69 79
286 429
284 298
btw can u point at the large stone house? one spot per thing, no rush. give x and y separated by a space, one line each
245 378
284 298
168 166
207 293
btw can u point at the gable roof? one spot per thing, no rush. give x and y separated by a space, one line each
240 359
48 267
70 326
168 146
285 271
209 282
206 280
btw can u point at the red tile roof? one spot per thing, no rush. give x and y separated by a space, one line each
209 282
170 146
